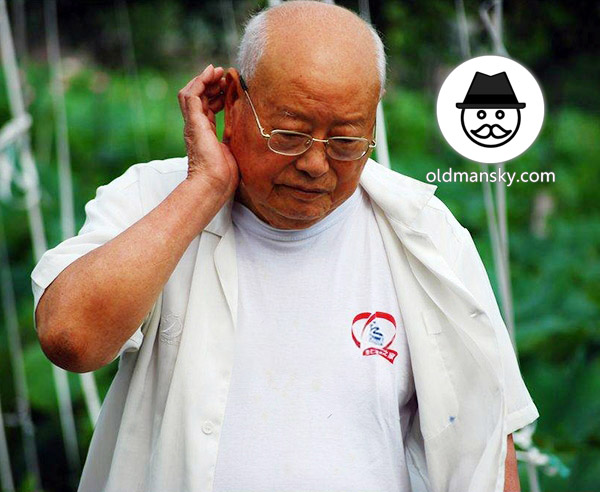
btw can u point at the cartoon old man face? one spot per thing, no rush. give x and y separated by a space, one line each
491 114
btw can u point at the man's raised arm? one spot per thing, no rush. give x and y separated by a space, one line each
96 303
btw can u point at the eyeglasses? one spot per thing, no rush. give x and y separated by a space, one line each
287 142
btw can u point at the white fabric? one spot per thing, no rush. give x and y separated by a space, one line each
160 424
296 360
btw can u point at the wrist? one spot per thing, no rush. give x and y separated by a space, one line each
199 201
206 186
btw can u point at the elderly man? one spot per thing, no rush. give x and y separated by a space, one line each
289 315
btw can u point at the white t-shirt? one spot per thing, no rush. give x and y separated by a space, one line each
322 391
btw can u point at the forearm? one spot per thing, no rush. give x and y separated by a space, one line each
511 471
92 308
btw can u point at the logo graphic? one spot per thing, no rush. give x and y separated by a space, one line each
373 333
490 109
170 327
491 114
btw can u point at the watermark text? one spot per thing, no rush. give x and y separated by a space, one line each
508 177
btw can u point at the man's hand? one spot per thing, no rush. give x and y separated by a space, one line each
208 159
511 472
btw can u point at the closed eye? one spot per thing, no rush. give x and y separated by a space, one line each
345 141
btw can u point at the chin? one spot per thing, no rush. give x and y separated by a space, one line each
300 213
303 213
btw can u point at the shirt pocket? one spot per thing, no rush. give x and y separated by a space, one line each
439 408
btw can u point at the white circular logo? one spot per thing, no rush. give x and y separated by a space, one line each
490 109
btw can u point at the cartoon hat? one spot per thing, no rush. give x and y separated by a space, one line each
490 91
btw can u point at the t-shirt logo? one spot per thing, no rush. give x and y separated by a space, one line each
373 333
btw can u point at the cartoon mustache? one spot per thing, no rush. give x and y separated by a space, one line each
486 131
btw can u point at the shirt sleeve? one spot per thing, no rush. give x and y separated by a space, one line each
520 408
116 207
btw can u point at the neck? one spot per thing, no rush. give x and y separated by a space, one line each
274 220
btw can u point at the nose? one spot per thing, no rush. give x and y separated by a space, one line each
314 160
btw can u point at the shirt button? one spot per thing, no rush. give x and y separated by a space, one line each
207 427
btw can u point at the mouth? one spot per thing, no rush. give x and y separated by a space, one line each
306 193
308 190
494 131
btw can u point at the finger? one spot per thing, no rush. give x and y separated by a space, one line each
213 89
208 74
212 123
216 105
210 99
197 118
185 101
211 117
195 79
187 86
207 82
216 85
198 84
212 82
204 100
218 97
184 93
182 105
181 97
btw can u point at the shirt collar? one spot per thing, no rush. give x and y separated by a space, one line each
401 197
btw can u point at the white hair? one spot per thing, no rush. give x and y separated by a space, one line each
254 40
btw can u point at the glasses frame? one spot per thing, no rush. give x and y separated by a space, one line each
372 143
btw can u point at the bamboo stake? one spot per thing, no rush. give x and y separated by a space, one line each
501 257
133 90
67 214
9 307
494 30
6 479
36 225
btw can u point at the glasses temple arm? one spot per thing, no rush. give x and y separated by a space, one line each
245 88
374 140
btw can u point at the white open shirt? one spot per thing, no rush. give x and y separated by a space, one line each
160 422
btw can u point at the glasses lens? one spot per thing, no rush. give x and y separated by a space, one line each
347 149
289 143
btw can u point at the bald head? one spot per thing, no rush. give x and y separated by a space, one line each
330 42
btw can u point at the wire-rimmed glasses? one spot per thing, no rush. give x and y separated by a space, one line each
288 142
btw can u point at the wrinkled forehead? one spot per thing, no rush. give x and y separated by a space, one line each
328 74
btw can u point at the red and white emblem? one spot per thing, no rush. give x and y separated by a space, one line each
373 333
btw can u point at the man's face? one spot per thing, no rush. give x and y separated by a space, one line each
306 101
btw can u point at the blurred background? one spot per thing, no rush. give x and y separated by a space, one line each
121 64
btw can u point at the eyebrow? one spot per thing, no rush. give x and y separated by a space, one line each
285 112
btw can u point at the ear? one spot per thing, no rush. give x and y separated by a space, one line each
233 95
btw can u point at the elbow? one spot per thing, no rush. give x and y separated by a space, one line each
66 348
64 345
63 349
57 343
